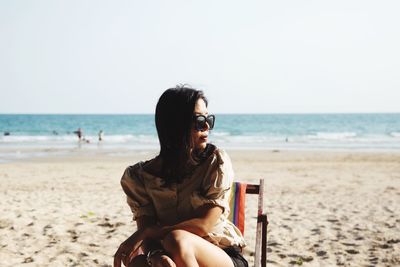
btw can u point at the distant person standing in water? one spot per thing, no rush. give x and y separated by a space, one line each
101 133
79 133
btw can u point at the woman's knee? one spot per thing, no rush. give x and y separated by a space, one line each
177 240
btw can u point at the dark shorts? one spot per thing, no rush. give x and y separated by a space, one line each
236 256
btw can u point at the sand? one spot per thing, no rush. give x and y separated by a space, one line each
324 208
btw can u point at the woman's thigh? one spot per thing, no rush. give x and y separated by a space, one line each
207 254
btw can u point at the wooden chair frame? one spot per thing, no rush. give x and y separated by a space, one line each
260 255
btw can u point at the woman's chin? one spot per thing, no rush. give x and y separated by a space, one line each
200 147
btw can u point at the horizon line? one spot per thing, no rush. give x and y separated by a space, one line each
222 113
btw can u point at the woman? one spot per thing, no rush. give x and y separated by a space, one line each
180 198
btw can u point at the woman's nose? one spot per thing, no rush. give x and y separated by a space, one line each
206 127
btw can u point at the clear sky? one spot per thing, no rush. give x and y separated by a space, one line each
96 56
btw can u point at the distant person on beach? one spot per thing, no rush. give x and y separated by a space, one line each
79 133
101 135
180 198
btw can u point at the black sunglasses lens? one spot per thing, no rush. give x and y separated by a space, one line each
210 121
200 123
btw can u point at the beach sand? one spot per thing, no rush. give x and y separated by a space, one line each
324 208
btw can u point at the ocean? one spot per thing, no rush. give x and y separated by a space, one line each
376 131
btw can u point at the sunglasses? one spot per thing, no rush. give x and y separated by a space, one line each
201 120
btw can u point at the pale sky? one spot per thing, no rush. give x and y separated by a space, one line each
248 56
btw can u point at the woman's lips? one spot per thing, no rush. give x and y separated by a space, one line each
204 138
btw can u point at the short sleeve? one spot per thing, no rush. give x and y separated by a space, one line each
216 183
138 200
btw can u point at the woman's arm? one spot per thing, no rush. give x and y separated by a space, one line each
128 248
205 217
143 223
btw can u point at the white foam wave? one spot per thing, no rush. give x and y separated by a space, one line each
220 134
222 139
395 134
332 136
35 138
114 139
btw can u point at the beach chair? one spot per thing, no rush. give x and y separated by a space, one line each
237 216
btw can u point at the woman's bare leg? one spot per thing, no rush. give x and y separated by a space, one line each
187 249
161 261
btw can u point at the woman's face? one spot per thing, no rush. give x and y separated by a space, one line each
200 138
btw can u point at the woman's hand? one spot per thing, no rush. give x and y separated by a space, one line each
127 249
161 260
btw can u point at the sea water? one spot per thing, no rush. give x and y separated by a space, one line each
375 131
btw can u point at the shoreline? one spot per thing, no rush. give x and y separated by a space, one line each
9 155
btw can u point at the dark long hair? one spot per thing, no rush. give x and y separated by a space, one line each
174 116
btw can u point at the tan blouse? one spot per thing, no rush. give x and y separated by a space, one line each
210 182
